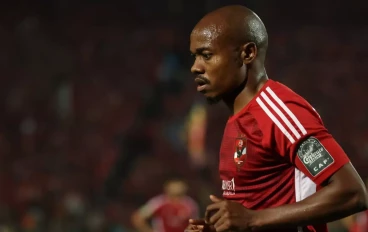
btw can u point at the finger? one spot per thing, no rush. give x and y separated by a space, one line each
215 199
214 206
192 228
215 217
210 210
219 224
223 225
197 221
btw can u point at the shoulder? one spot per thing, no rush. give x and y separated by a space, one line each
279 109
157 201
190 201
153 206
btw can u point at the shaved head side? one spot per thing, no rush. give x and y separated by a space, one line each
256 32
236 25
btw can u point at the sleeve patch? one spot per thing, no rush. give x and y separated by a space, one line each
314 156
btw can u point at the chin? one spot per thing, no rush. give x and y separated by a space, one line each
213 99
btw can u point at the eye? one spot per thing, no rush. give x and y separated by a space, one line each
207 56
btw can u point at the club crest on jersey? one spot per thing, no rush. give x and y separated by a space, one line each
240 151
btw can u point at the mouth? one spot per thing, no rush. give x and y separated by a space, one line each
202 83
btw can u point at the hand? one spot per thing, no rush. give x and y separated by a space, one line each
227 215
199 225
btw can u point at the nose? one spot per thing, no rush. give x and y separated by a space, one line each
197 68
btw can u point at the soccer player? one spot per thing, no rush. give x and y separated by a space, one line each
169 212
294 176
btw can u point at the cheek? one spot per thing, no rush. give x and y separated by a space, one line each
217 70
223 73
231 77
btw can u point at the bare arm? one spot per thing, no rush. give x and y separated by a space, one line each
344 194
140 223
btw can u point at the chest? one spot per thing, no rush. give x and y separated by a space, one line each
177 211
242 155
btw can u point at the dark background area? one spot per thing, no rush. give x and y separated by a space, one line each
96 98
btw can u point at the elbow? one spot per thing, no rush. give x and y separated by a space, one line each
135 219
364 201
359 200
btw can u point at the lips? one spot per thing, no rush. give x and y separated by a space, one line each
202 83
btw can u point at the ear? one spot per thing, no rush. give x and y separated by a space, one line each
249 52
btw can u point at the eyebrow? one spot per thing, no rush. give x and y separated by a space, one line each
201 49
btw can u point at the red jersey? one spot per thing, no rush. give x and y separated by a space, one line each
169 216
276 151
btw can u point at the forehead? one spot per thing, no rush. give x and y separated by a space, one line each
205 36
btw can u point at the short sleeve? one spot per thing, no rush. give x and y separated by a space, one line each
151 207
296 132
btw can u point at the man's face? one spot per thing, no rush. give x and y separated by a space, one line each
217 66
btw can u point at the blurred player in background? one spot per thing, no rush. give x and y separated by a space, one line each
280 168
168 212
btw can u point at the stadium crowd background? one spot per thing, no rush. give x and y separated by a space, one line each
98 106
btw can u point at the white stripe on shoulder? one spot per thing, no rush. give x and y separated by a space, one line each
275 120
287 110
282 115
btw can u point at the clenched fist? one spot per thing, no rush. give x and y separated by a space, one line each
227 215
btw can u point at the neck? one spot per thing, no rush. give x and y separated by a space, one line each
246 92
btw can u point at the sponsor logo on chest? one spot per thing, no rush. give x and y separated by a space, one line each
228 187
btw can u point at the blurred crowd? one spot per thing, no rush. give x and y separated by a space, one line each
96 99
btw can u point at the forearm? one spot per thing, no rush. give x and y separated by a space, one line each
143 227
324 206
